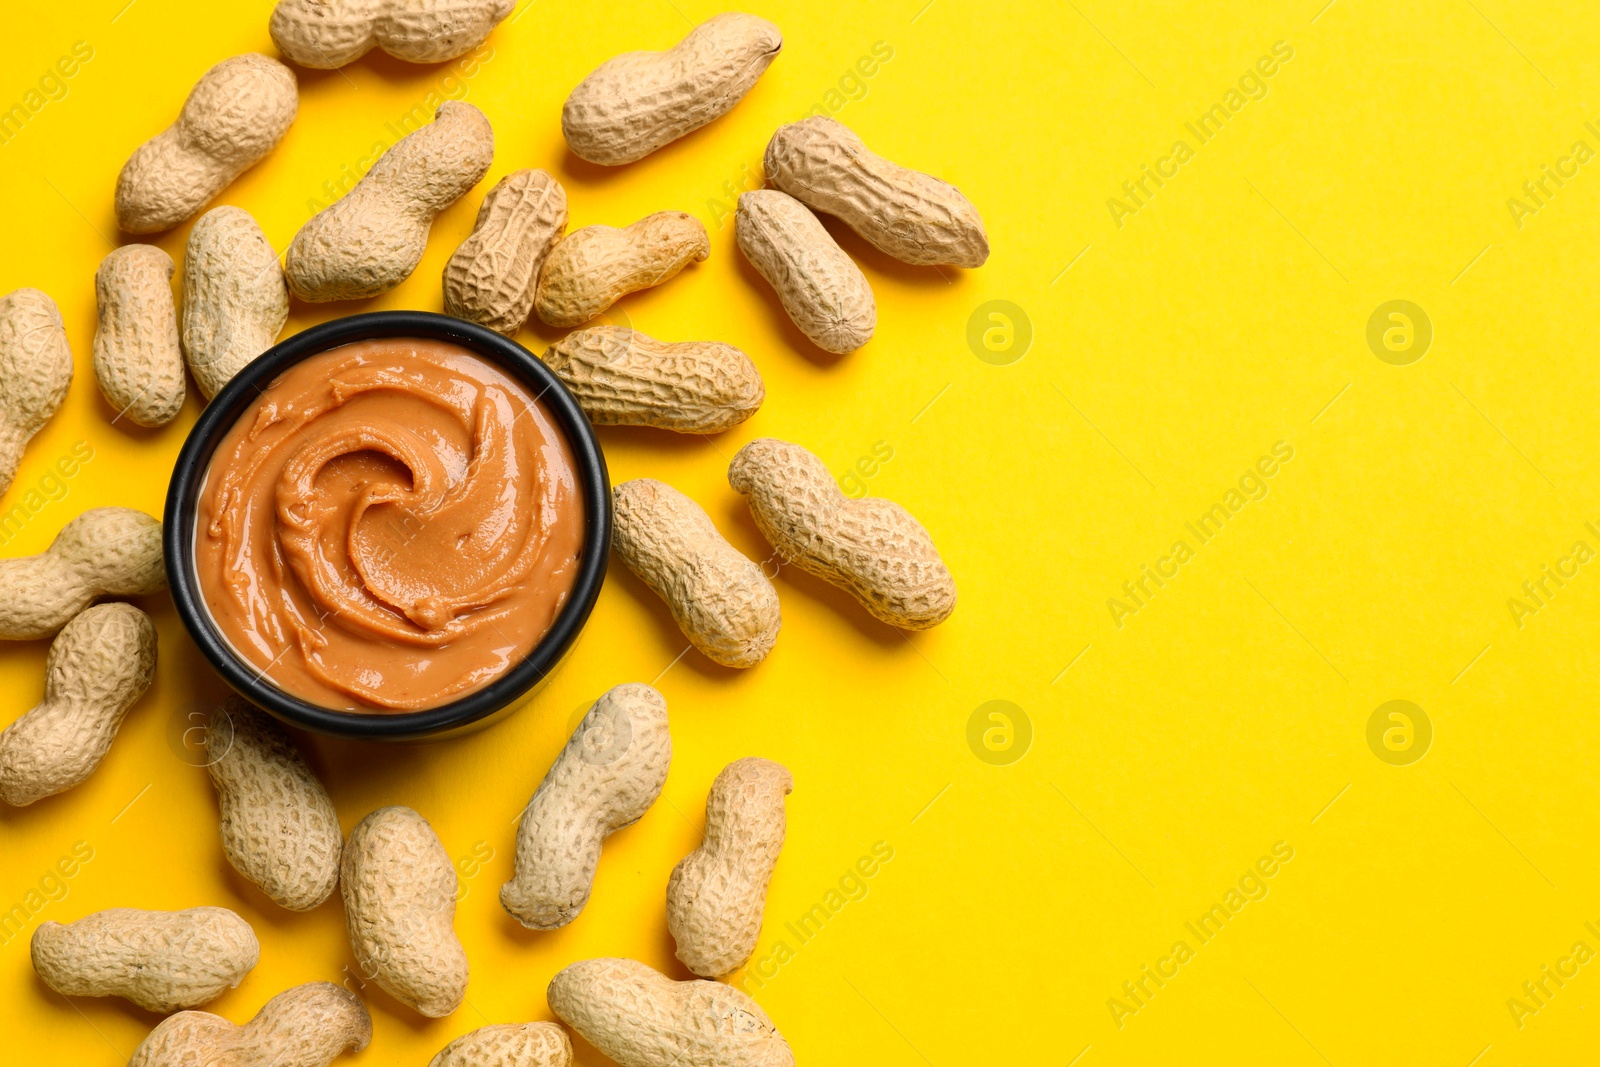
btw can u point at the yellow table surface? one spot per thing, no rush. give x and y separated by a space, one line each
1160 739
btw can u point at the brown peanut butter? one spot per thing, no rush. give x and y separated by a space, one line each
396 523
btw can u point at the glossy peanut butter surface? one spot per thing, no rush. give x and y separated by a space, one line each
396 523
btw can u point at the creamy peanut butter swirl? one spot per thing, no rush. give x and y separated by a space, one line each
396 525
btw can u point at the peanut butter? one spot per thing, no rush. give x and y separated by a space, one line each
395 524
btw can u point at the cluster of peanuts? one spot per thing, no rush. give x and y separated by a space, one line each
279 827
399 889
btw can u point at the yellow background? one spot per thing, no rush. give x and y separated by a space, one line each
1229 313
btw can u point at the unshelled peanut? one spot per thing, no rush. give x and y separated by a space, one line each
279 828
508 1045
160 960
371 239
235 301
821 288
914 217
307 1026
491 278
596 266
35 370
718 892
622 377
99 666
103 552
137 360
641 1018
237 113
719 598
635 103
399 892
610 772
871 548
324 34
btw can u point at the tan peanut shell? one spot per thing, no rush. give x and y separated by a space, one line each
508 1045
399 892
720 599
235 301
103 552
279 828
635 103
914 217
136 356
621 377
371 239
610 772
99 666
596 266
324 34
236 113
820 287
160 960
641 1018
305 1026
717 893
35 370
871 548
491 278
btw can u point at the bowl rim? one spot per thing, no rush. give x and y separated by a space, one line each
235 399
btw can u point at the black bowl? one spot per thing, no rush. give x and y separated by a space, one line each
238 396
